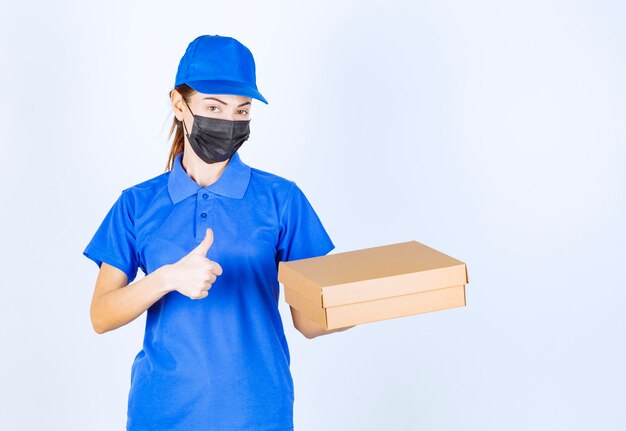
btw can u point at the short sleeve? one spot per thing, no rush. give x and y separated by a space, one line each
302 234
114 241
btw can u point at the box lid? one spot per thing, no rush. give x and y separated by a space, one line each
372 273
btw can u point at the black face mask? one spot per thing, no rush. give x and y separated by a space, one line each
215 139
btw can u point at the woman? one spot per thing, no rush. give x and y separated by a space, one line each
208 233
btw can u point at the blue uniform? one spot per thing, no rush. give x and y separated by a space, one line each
221 362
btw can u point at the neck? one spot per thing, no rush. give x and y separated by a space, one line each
202 173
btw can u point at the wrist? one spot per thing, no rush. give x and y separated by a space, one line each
161 279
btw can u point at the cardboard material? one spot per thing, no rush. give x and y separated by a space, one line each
374 284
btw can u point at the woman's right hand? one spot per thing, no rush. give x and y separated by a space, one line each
194 274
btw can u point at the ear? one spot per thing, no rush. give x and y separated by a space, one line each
177 102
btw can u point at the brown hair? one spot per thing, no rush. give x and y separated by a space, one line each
178 144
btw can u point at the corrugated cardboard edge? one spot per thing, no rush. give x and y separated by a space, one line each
395 307
395 285
464 296
380 309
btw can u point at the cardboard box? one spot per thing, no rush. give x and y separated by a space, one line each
373 284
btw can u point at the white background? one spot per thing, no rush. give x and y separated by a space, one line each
492 131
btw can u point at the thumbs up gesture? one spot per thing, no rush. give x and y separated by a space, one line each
194 274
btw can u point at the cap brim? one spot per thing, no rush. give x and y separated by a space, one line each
226 87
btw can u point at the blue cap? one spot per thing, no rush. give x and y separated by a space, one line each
218 65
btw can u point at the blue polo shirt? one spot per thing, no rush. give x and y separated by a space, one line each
222 362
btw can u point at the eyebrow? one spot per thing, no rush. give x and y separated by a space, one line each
221 101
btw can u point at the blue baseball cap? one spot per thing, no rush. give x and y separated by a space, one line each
214 64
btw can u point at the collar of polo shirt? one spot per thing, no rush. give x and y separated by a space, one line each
232 183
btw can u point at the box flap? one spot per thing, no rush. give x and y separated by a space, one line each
396 306
401 284
289 276
380 309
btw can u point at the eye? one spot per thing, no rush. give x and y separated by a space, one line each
243 112
211 108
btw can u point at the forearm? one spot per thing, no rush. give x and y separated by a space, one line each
121 306
308 327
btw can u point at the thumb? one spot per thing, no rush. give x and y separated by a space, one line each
206 243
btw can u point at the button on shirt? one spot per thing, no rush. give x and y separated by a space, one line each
220 362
